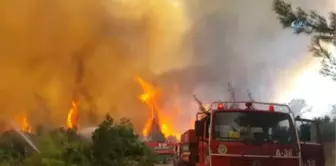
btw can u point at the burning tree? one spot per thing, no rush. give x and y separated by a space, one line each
156 127
72 117
80 92
152 128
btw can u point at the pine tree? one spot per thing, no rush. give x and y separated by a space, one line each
155 133
321 30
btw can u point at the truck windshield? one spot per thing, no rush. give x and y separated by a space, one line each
265 127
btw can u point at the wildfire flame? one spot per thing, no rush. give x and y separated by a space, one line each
72 116
149 97
23 123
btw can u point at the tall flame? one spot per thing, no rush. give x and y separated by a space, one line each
149 97
23 123
72 116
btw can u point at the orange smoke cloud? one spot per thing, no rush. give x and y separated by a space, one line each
43 41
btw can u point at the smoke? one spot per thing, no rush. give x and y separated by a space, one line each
243 43
52 49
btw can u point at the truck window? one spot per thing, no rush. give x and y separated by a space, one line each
253 125
164 158
185 148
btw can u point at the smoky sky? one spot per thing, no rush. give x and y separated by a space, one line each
55 51
239 42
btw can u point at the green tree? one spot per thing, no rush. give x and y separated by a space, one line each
60 148
113 144
327 126
333 110
116 144
321 29
13 148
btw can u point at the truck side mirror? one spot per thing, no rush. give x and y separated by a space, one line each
305 133
207 127
199 128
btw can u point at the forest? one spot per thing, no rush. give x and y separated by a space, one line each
112 143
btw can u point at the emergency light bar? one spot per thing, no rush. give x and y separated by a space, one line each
271 107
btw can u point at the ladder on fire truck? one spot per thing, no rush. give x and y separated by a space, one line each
233 104
249 95
233 96
232 92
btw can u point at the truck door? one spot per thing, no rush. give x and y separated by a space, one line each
312 152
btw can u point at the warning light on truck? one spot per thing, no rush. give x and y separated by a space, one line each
220 106
271 108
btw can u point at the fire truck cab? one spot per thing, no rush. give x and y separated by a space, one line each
251 134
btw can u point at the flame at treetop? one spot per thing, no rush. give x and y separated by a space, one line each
72 116
149 97
23 123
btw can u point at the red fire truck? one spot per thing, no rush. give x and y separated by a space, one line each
250 134
165 151
188 144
